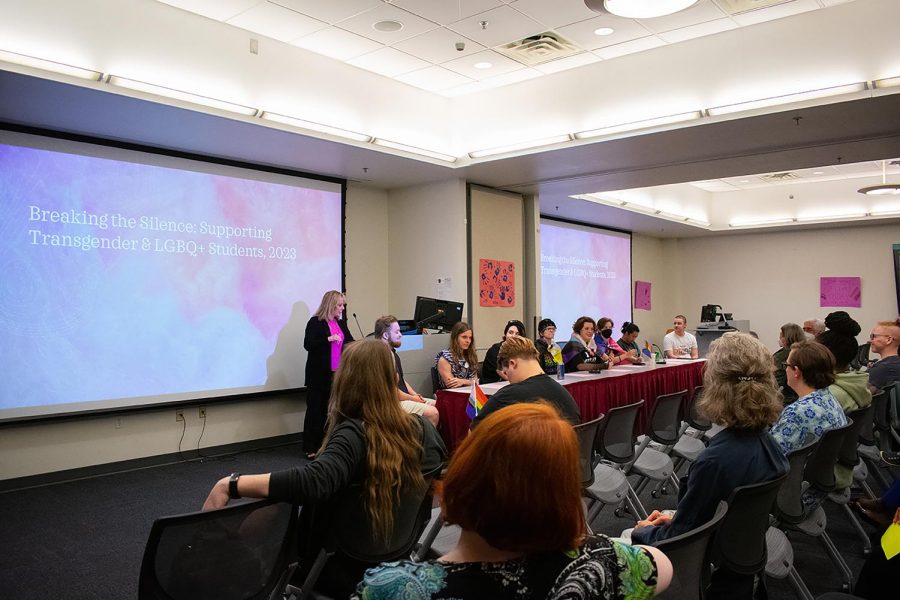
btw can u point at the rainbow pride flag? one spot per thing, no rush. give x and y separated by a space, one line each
477 400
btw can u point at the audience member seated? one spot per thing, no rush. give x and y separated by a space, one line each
885 338
628 341
812 328
387 329
518 360
369 441
608 346
513 487
577 354
547 348
790 334
489 371
740 395
680 343
458 365
810 372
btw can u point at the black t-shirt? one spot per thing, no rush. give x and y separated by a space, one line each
402 383
489 368
538 387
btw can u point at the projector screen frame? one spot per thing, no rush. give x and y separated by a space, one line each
96 412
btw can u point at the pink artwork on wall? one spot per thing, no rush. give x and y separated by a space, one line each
642 295
496 282
840 291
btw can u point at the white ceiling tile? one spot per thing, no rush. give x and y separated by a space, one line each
276 22
570 62
699 30
462 90
503 25
512 77
713 185
447 11
638 45
334 42
438 45
220 10
499 65
363 24
827 3
330 12
699 13
775 12
624 30
434 79
553 14
388 62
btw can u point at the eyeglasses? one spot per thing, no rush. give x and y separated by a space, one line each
872 336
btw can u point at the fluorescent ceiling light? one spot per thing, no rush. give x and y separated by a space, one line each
787 99
639 9
557 139
49 65
414 150
886 82
159 90
760 222
318 127
656 122
842 217
885 213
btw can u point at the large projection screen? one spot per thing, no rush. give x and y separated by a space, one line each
584 271
133 278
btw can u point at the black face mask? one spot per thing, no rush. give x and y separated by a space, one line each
606 332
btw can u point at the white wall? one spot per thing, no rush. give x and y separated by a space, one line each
651 260
366 256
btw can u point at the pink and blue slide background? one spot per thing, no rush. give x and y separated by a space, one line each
80 326
565 298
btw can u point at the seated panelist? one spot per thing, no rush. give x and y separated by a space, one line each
458 365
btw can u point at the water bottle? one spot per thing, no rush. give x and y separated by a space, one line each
560 371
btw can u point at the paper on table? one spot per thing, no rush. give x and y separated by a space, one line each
890 541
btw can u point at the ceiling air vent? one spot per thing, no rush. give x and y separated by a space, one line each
538 49
734 7
776 177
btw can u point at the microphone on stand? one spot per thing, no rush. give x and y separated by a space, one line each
361 334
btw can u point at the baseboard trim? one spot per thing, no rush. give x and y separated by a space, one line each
33 481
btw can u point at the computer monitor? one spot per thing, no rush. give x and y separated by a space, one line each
708 313
434 313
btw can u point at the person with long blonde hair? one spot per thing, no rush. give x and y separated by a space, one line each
324 340
370 442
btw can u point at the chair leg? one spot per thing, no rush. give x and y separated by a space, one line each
838 560
634 503
867 544
875 469
433 529
799 585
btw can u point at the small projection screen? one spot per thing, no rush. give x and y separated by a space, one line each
132 278
585 271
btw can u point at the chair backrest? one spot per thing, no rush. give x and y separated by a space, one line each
690 554
862 357
789 503
587 436
436 383
847 454
867 431
740 544
693 417
665 418
819 470
881 402
615 438
239 552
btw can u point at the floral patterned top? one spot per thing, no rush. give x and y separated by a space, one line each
459 368
602 569
813 414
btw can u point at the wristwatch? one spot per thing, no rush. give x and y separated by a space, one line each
232 486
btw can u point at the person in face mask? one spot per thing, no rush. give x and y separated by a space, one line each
607 349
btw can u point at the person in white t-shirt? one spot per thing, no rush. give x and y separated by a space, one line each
680 343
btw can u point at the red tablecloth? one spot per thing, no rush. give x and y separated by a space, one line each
594 396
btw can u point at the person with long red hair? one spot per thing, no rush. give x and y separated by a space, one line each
513 487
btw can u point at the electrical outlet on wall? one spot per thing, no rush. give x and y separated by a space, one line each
179 415
202 412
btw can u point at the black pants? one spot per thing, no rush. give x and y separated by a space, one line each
316 415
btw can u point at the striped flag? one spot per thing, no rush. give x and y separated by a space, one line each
477 400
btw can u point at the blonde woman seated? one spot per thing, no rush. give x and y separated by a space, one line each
522 538
458 365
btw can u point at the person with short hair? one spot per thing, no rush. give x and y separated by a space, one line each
790 334
514 488
680 343
547 349
577 354
518 359
739 395
489 370
813 327
885 339
387 329
606 346
810 371
458 365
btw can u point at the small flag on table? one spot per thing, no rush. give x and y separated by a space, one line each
477 400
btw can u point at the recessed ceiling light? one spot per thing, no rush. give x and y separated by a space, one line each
388 25
483 65
818 172
745 181
603 31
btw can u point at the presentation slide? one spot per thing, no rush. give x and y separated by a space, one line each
584 271
133 278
